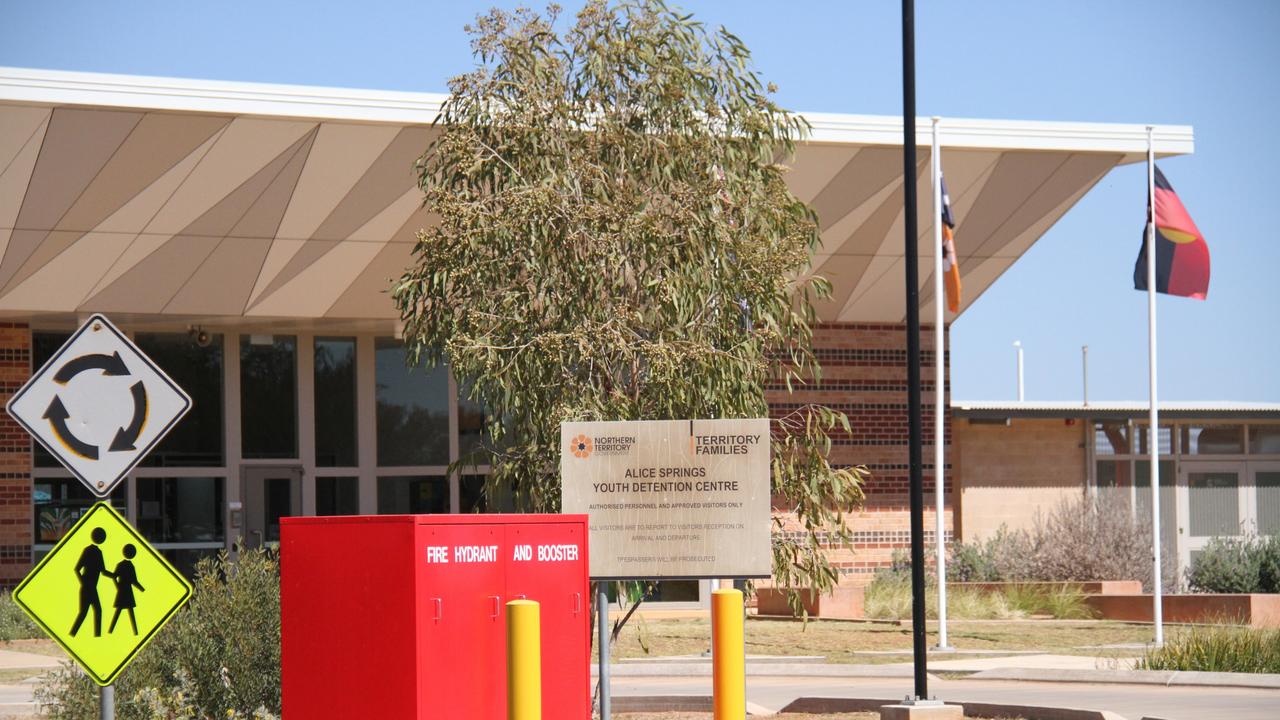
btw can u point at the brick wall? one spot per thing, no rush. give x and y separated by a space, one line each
1012 471
864 375
15 459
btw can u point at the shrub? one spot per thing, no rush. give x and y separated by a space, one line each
14 623
1226 565
1217 648
1269 565
218 658
888 597
1082 539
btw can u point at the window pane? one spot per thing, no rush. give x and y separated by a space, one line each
337 496
1113 481
471 490
184 559
1264 439
268 396
43 346
1214 503
1111 438
335 378
1268 501
1168 498
471 428
413 495
413 409
59 503
1166 440
1213 440
197 438
187 509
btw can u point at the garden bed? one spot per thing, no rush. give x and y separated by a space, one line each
1253 609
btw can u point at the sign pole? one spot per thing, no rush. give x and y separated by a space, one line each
107 702
602 620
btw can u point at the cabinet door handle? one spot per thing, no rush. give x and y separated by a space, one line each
439 603
496 604
577 603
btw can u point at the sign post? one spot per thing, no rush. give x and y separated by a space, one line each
99 405
668 499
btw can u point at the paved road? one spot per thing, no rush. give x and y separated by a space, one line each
1131 701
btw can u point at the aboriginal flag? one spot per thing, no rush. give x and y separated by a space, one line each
950 267
1182 257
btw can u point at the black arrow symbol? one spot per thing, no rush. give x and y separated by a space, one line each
127 436
57 416
109 365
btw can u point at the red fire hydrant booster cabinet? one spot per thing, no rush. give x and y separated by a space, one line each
404 616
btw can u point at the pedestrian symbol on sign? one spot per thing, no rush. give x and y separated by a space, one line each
102 557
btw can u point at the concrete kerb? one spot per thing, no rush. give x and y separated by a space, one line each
818 705
1168 678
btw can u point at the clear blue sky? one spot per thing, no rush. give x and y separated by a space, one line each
1213 65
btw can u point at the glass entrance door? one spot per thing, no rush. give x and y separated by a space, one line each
269 493
1213 502
1265 497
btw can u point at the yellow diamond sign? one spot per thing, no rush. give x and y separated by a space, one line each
102 593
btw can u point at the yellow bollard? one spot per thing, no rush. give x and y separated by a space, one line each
524 661
728 656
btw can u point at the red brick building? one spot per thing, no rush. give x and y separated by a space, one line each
244 235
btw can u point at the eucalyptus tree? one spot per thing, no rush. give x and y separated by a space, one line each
615 241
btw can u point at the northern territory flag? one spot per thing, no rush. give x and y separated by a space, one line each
950 266
1182 256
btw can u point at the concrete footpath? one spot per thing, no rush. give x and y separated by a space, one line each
776 684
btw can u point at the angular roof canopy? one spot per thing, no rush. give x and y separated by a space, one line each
165 201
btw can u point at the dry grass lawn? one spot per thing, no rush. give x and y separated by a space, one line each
708 715
839 641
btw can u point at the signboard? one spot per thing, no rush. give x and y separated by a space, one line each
671 498
102 593
99 405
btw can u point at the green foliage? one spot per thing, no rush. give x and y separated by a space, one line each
1217 648
1269 565
1237 565
615 241
14 623
218 658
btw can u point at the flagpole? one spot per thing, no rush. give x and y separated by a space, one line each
1153 430
939 390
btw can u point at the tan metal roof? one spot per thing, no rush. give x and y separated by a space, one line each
181 201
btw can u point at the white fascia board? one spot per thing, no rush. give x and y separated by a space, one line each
1129 139
56 87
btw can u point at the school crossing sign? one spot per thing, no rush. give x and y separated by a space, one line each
102 593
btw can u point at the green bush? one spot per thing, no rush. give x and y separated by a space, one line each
218 658
1217 648
14 623
1269 565
1234 565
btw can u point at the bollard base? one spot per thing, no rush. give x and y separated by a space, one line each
922 710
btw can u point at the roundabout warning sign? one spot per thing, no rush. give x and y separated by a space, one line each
99 405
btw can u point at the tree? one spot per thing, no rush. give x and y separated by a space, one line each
616 242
